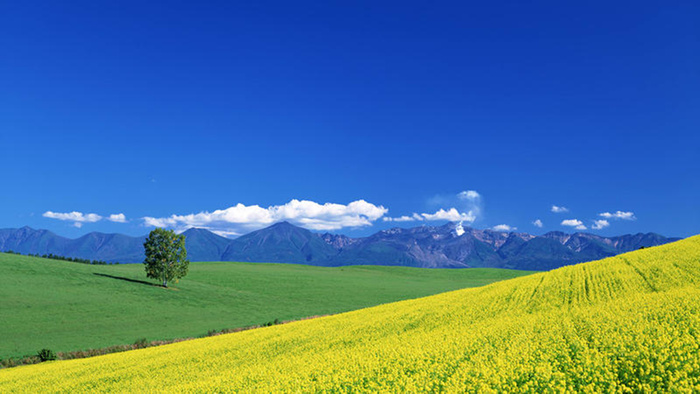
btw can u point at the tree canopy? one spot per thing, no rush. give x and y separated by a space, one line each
166 256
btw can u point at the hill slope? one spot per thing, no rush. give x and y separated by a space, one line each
623 323
68 306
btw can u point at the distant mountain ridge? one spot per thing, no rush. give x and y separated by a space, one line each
447 246
93 246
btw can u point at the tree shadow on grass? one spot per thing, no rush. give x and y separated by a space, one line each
143 282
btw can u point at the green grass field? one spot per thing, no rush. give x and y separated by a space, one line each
67 306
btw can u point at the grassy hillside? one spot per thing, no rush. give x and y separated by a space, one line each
68 306
626 323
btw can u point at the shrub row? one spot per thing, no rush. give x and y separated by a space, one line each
63 258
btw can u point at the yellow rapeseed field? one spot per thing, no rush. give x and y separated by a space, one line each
629 323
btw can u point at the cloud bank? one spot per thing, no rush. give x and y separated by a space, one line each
240 218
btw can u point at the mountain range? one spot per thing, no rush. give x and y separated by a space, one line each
447 246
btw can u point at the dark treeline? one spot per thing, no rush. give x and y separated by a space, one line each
63 258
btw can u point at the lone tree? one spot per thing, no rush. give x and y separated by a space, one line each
166 257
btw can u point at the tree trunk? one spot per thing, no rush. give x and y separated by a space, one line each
165 282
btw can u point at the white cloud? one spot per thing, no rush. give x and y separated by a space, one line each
117 218
470 195
79 218
469 201
76 217
226 234
309 214
575 223
452 215
504 227
558 209
618 215
600 224
412 218
538 223
465 206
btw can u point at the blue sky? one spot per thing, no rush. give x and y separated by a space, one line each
150 110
